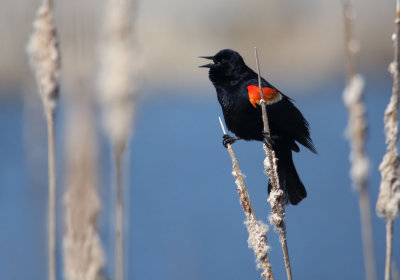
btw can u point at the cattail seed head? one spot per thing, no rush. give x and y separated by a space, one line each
44 56
116 82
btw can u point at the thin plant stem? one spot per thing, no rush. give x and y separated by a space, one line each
52 196
44 57
117 91
257 230
389 192
389 239
389 221
263 107
357 132
276 196
367 234
119 218
350 43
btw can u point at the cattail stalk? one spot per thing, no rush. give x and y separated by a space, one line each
256 229
83 253
389 192
44 57
52 197
356 132
276 197
117 94
119 217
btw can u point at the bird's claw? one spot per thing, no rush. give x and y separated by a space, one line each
227 139
269 139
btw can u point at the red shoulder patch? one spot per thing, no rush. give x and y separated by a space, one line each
255 97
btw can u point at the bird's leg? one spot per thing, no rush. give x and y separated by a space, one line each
269 139
227 139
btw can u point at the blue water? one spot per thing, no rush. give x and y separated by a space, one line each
185 219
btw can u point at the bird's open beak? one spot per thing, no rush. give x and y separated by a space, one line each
210 65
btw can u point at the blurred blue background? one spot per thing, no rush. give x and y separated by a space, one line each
185 220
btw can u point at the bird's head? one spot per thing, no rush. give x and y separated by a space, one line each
227 65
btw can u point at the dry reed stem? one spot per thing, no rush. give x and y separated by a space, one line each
389 239
367 235
257 230
119 218
51 197
356 132
44 56
83 254
117 98
389 191
276 197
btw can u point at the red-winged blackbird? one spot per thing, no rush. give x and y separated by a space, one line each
238 93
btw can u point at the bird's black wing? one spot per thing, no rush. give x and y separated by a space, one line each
287 120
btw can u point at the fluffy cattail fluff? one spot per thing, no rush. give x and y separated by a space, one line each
116 93
45 57
357 134
258 242
83 253
356 131
277 202
389 192
117 87
256 229
276 199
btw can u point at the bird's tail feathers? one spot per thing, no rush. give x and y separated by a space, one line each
290 182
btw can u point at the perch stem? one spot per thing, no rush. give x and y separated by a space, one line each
389 238
52 195
119 218
273 174
392 145
261 247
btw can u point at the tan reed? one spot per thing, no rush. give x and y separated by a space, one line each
276 197
83 254
117 90
389 192
44 57
353 96
257 230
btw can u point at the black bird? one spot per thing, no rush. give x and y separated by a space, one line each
238 93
